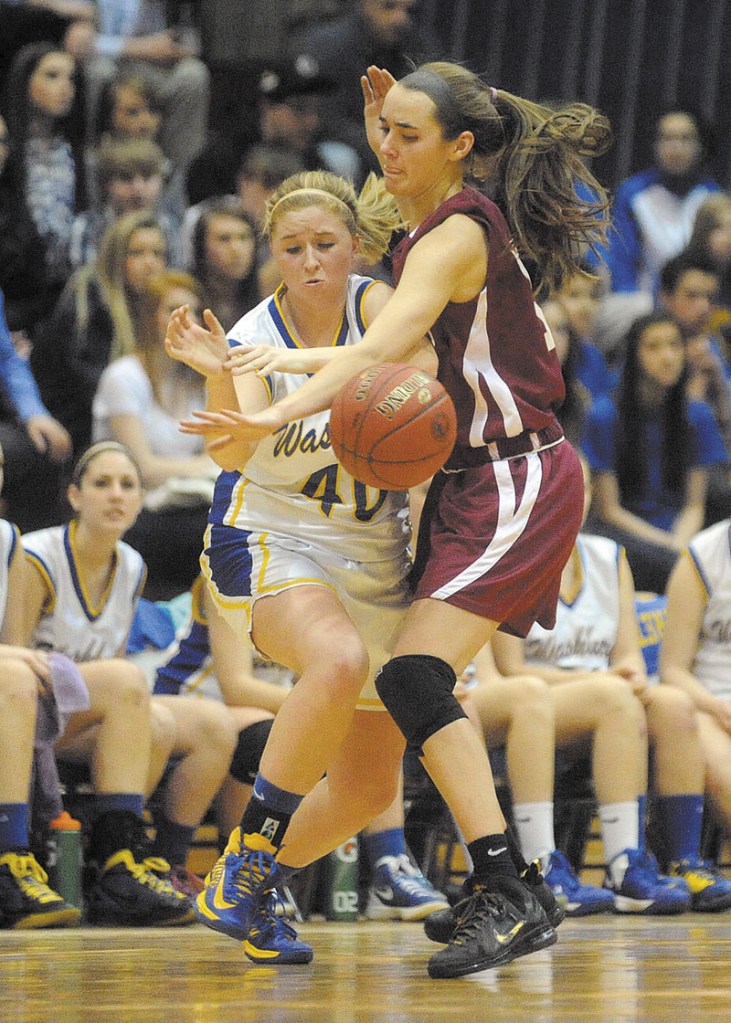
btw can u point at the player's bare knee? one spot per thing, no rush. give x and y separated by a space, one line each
348 664
18 690
532 695
215 728
129 683
418 692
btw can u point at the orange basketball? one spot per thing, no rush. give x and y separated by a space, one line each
392 426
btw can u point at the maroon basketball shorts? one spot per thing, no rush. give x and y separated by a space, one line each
494 538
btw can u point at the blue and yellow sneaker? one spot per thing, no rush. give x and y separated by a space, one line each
272 940
26 901
635 880
710 891
237 884
576 898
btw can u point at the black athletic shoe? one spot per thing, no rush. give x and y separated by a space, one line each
494 927
439 926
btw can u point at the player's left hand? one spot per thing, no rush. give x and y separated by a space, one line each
203 348
263 359
225 427
374 85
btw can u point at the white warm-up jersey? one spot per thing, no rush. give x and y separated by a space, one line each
710 552
70 623
9 536
293 484
586 621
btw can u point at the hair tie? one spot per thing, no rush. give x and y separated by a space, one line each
493 94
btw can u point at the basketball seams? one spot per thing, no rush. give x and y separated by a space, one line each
370 415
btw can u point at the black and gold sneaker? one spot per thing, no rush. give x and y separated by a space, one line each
26 901
439 926
129 893
493 928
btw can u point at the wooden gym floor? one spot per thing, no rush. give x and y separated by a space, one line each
603 970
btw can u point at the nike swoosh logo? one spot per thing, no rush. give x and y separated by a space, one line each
218 901
503 939
384 893
497 852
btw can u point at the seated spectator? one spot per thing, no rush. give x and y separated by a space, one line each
688 290
33 445
45 116
140 401
26 901
69 23
96 321
580 295
649 449
695 654
654 210
130 180
263 169
137 32
23 277
290 115
224 258
81 597
381 32
711 239
130 108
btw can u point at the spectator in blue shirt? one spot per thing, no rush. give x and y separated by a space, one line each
654 210
33 443
649 450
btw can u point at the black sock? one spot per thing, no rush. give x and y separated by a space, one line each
262 819
515 852
490 856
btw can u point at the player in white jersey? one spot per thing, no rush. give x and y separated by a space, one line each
313 562
696 649
26 901
602 701
83 587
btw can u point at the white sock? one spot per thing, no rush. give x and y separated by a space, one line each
620 829
534 824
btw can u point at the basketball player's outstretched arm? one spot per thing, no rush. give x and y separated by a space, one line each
445 265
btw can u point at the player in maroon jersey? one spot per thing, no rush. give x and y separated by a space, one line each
500 521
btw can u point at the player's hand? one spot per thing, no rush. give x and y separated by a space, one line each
37 661
263 359
374 84
227 426
203 348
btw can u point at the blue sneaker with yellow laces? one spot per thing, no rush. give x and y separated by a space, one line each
272 940
237 885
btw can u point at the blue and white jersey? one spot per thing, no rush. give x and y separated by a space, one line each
586 620
188 669
9 536
293 485
70 623
710 552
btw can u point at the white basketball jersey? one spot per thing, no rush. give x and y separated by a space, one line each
70 623
710 552
9 536
293 483
586 621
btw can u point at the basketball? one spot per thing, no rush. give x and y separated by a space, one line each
392 426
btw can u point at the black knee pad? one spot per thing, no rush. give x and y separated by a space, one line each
249 748
418 692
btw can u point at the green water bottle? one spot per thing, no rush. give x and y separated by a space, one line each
341 902
65 858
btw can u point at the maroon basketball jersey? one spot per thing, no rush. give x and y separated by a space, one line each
496 355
